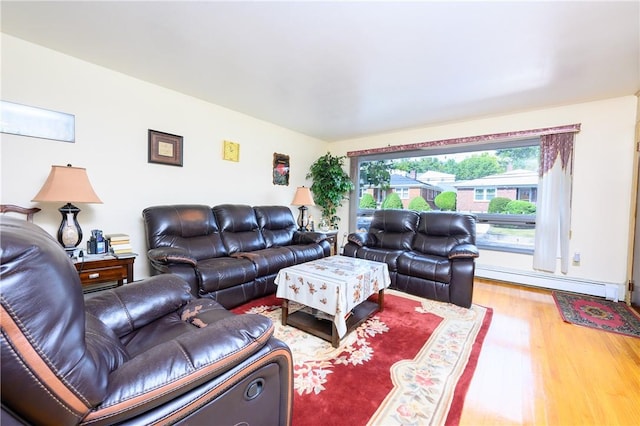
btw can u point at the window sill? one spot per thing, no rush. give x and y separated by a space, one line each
508 249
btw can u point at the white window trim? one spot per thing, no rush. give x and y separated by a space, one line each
484 193
403 192
481 142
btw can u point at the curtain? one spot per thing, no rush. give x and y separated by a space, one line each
553 211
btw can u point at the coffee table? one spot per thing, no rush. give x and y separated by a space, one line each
330 295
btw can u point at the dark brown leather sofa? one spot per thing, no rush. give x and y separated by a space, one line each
231 252
148 352
430 254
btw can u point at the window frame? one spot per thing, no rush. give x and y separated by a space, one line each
524 221
484 193
532 191
402 191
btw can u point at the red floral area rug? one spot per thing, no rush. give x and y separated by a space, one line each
597 313
410 364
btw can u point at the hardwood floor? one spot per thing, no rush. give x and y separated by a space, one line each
536 369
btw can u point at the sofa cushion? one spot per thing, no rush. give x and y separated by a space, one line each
43 330
277 224
390 257
103 344
223 272
170 327
135 306
439 232
394 229
191 227
269 261
429 267
307 252
214 311
164 329
239 228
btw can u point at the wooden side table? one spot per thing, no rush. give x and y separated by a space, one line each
95 272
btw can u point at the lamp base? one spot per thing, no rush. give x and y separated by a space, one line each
69 233
302 221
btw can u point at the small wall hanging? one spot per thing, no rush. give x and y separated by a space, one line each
280 169
231 151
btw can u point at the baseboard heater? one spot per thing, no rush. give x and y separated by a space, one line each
553 282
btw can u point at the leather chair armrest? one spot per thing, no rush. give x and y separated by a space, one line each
362 239
308 237
127 308
464 251
175 367
168 255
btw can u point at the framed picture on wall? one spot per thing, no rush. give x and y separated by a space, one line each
165 148
280 169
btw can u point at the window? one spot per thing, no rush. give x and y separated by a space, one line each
484 194
403 193
506 232
476 174
528 194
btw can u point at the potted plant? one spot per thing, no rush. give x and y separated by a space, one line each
331 184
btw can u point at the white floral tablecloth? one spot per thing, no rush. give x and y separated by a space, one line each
334 285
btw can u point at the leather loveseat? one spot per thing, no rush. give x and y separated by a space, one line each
231 252
145 353
429 254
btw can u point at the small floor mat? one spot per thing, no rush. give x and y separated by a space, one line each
598 313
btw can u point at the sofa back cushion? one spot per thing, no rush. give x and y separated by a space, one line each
394 229
439 232
239 228
277 225
191 227
54 366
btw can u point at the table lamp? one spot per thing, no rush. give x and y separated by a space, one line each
71 185
302 198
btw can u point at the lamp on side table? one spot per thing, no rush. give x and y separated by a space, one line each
71 185
303 199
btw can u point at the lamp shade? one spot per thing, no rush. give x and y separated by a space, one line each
303 197
67 184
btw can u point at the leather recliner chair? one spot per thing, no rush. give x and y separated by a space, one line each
148 352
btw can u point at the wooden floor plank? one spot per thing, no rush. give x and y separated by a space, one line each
535 369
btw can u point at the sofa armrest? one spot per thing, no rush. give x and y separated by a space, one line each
168 255
362 239
127 308
464 251
175 367
308 237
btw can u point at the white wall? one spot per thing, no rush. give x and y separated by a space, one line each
113 113
603 166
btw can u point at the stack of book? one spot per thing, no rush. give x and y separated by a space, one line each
120 245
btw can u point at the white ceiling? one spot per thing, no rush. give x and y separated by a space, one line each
337 70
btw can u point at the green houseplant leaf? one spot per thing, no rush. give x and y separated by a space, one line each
331 184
